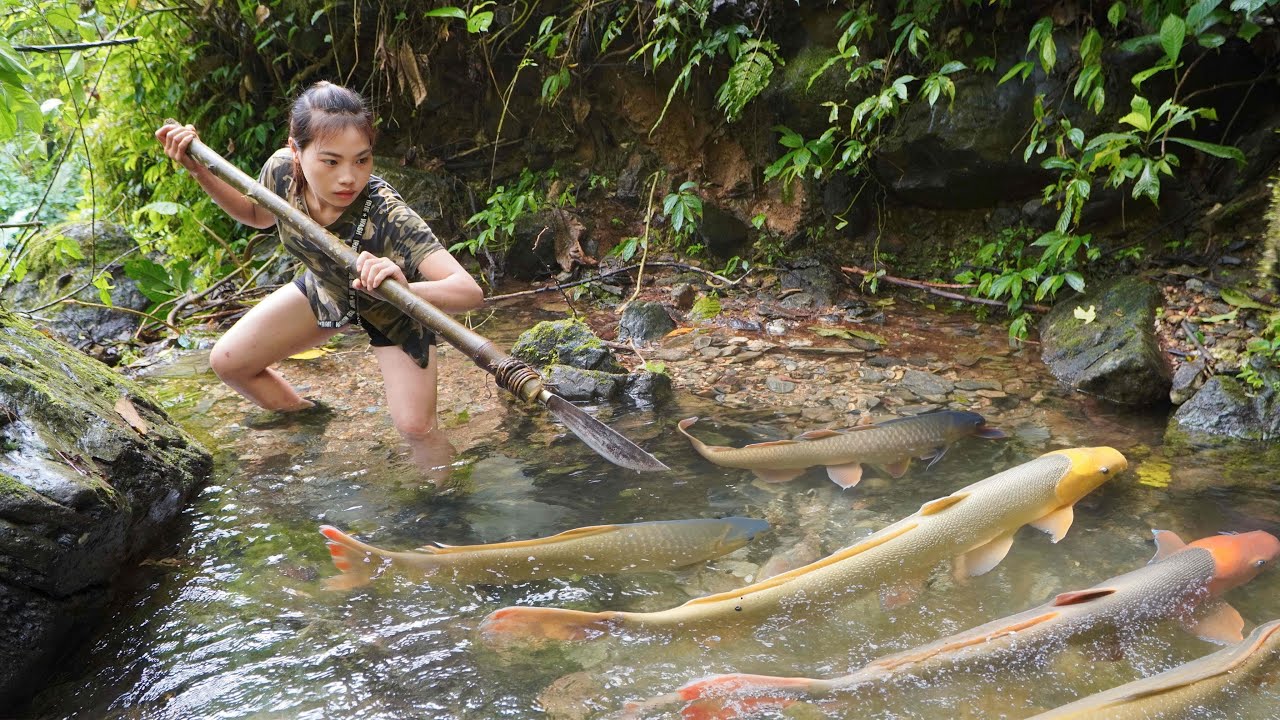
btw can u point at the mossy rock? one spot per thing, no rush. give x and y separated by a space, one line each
565 342
1116 356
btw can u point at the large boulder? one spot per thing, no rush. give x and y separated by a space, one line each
1115 356
91 471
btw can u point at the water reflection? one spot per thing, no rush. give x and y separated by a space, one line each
233 621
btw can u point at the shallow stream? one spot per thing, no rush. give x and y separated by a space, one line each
231 620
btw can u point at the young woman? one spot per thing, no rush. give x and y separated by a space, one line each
327 172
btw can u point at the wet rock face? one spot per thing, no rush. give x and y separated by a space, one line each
1223 408
90 472
1116 356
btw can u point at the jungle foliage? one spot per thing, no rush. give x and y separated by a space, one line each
230 68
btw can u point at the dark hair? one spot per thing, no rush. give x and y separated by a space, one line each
322 110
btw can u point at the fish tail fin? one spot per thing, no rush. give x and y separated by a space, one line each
352 557
538 624
738 695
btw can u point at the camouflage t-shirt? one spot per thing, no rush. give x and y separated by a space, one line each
393 230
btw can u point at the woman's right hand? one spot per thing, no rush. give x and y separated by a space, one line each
175 139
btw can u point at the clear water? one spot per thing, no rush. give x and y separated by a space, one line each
231 619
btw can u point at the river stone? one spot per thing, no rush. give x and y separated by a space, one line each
1187 379
573 383
83 492
926 385
564 342
1223 408
1117 356
644 321
646 388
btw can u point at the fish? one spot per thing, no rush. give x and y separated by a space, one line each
599 549
1182 581
1183 691
890 444
973 526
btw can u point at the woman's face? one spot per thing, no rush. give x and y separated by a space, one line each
337 167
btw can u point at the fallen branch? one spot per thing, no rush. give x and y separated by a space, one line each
724 281
938 289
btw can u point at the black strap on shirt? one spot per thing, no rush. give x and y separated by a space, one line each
353 314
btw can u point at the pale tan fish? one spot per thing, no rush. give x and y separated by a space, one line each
1182 581
890 444
1187 691
973 526
600 549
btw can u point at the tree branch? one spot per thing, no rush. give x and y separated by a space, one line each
936 289
75 46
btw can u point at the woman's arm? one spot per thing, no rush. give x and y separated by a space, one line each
448 285
175 139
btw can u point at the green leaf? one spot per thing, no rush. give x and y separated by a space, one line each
479 22
1023 67
1173 31
705 307
1222 151
953 66
446 12
1075 280
1238 299
1116 13
1141 122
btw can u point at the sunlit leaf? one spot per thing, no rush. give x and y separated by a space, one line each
1087 316
312 354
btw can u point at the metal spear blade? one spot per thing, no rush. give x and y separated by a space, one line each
600 437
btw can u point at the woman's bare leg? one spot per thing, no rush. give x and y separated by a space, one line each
411 399
279 326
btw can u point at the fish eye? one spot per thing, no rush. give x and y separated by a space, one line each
1104 470
1259 563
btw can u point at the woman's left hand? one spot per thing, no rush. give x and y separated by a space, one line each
371 270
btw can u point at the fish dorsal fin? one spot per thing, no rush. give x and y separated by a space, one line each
982 559
818 434
1167 543
770 443
846 476
573 534
1079 597
1224 661
933 507
1056 523
1219 623
872 542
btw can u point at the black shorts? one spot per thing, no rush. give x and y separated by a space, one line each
376 338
